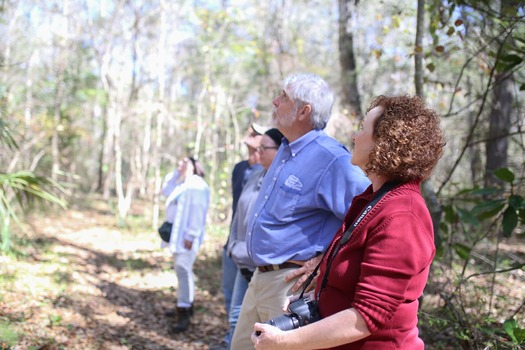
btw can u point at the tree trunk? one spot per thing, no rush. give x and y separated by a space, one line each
501 109
499 127
122 203
108 163
62 47
350 99
418 50
428 191
144 157
55 138
475 154
160 114
99 113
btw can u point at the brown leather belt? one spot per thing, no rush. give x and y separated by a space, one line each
284 265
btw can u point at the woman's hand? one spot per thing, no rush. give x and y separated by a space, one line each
188 244
288 301
266 337
292 298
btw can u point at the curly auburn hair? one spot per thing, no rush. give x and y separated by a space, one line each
408 139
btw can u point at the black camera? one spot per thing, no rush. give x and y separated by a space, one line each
302 312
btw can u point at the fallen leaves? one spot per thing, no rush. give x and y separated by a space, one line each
87 285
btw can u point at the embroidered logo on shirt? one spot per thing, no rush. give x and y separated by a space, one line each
293 182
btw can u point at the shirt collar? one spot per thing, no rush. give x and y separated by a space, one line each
301 142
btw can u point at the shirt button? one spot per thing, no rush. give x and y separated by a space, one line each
282 161
293 154
256 215
274 179
265 197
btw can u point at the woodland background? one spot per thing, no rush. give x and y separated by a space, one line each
99 99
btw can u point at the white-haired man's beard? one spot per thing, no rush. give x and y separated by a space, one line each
284 121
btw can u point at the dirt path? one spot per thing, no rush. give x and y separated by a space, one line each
78 281
87 284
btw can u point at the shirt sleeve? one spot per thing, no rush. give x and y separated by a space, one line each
389 278
340 180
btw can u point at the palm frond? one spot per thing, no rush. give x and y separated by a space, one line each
28 187
5 136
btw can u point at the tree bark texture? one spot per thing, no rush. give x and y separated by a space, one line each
418 50
350 98
499 127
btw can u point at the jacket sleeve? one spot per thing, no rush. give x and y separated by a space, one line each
170 182
390 280
197 201
236 248
239 254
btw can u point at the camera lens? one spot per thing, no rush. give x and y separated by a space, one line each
302 312
285 322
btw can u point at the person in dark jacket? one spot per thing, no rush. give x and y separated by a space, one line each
242 172
270 142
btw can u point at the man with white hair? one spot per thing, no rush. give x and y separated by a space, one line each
301 203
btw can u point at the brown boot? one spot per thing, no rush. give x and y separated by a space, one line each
183 319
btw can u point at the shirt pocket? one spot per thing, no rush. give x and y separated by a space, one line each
285 204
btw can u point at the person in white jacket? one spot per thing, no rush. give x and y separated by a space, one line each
188 197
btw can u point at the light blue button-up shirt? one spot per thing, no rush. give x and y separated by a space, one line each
303 199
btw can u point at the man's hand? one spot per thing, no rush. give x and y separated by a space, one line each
304 271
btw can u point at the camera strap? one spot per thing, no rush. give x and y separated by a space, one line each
387 187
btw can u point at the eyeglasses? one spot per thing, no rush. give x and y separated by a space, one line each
263 148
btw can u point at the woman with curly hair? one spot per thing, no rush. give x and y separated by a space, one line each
377 265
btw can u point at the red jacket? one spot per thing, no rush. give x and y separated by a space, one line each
382 270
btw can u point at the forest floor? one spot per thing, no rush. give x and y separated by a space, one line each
82 282
77 280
